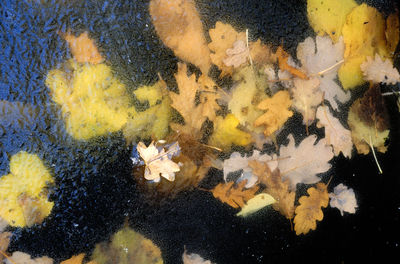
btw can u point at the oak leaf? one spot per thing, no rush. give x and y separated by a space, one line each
83 48
309 209
380 71
237 55
303 163
234 196
179 26
335 134
277 114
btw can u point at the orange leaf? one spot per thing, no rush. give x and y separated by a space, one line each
75 259
283 64
83 48
234 196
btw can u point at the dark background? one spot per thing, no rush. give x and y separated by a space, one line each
95 191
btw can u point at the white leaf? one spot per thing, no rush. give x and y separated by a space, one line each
236 162
23 258
194 259
343 199
327 55
335 134
380 71
301 164
237 55
158 162
255 204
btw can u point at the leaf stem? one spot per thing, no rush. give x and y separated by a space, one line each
373 153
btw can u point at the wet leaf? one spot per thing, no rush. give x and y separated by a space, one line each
83 48
283 58
255 204
380 71
20 257
344 199
234 196
237 55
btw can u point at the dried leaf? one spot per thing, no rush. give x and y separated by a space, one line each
234 196
209 94
179 26
74 259
303 163
193 259
276 187
261 54
237 55
392 31
255 204
343 199
278 112
158 162
4 242
223 36
283 58
318 56
379 71
335 134
83 48
20 257
309 209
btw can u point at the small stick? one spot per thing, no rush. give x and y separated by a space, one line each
7 257
328 69
373 153
247 44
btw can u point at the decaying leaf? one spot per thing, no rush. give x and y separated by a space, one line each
237 55
234 196
20 257
255 204
329 16
335 134
306 98
4 242
279 189
320 56
303 163
344 199
78 259
83 48
158 161
277 114
379 71
261 54
194 259
368 121
179 26
283 58
309 210
223 36
392 31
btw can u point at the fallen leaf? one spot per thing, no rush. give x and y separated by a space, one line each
179 26
4 242
261 54
255 204
83 48
277 114
234 196
303 163
283 58
158 162
392 32
335 134
329 16
193 259
74 259
309 209
279 189
380 71
318 56
209 93
20 257
237 55
223 36
344 199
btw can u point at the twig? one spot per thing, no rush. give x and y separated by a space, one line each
247 44
327 69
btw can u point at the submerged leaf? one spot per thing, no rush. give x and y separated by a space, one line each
194 259
234 196
343 199
380 71
20 257
255 204
83 48
238 55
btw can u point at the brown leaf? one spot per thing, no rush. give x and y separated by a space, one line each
261 54
275 187
234 196
309 211
83 48
179 26
4 242
31 210
284 66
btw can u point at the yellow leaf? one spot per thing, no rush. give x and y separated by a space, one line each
277 112
255 204
179 26
226 133
234 196
329 16
364 35
222 38
74 259
83 48
309 211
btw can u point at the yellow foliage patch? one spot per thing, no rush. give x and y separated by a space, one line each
329 16
23 200
83 48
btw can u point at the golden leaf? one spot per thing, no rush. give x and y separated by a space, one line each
83 48
309 211
179 26
278 112
234 196
74 259
261 54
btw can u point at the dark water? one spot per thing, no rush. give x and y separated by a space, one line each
95 192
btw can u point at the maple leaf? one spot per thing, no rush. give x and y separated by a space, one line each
158 162
279 189
379 71
223 36
335 134
277 112
309 209
234 196
83 48
318 56
344 199
306 98
193 259
301 164
179 26
238 55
